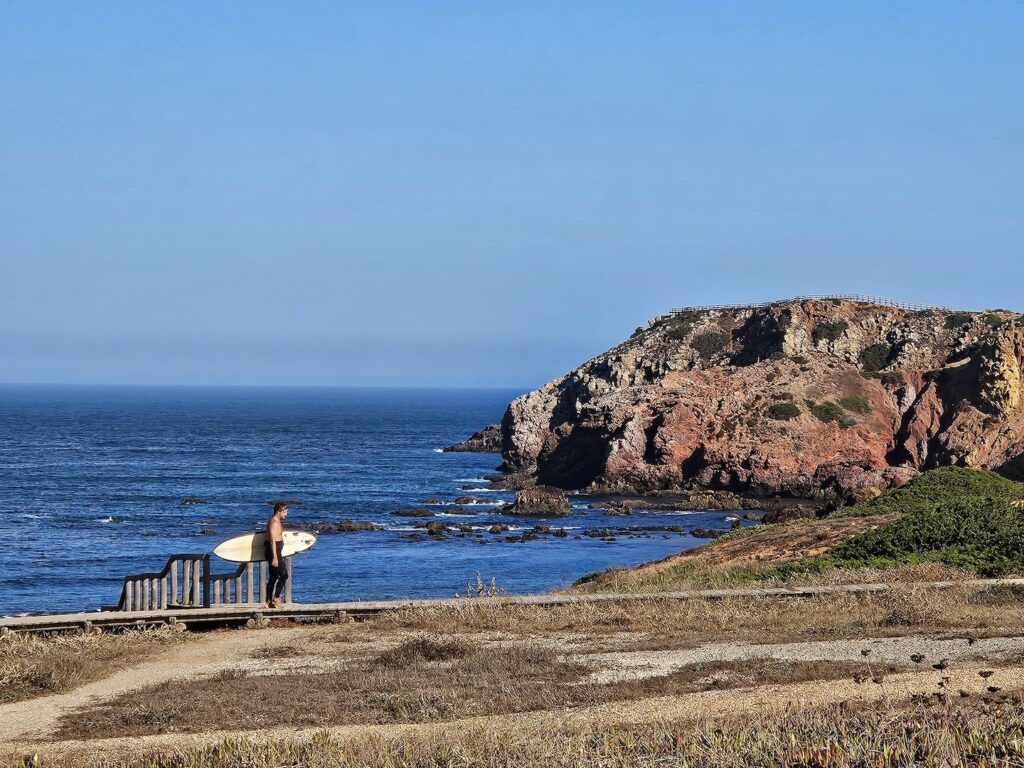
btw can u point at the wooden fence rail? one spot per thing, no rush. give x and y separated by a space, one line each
856 297
187 581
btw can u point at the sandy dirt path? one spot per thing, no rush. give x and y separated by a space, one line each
35 718
625 665
695 706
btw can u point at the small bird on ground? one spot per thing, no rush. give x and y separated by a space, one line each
993 689
917 658
941 665
985 674
877 679
865 652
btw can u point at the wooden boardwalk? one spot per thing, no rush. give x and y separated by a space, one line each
240 614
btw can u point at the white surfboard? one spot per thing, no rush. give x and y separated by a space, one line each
248 547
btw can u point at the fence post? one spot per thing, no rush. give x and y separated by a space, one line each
206 581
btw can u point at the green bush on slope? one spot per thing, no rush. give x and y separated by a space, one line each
936 487
960 517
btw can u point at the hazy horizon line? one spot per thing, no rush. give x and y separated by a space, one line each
136 385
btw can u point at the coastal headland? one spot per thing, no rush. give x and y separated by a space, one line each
826 399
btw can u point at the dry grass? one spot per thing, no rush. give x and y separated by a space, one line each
424 679
696 574
654 623
33 666
280 652
933 734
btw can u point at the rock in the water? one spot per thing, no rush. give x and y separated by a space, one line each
347 526
487 440
434 528
538 501
826 399
470 500
706 533
414 512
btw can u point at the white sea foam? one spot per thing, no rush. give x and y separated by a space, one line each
470 480
671 513
105 520
439 450
482 490
32 516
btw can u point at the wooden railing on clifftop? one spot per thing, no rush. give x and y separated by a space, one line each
857 297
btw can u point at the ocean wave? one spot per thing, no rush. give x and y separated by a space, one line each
470 480
482 490
671 513
439 450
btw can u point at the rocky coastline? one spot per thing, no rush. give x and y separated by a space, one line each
822 401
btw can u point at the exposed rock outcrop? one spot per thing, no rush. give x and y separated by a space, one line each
486 440
825 399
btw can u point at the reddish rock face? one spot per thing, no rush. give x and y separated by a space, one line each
809 399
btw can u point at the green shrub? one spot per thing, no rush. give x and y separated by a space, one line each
710 343
679 331
826 411
783 411
958 319
935 487
678 327
799 359
828 330
856 404
960 517
890 378
875 357
993 321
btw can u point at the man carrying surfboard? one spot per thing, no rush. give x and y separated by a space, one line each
274 552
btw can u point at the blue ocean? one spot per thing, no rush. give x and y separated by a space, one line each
92 481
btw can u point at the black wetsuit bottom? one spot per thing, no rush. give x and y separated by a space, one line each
278 573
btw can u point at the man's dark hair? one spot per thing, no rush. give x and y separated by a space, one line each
279 506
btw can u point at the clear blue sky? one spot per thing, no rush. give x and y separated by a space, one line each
483 194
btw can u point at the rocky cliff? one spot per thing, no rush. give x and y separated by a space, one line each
818 399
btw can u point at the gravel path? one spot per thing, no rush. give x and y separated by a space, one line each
36 718
625 665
